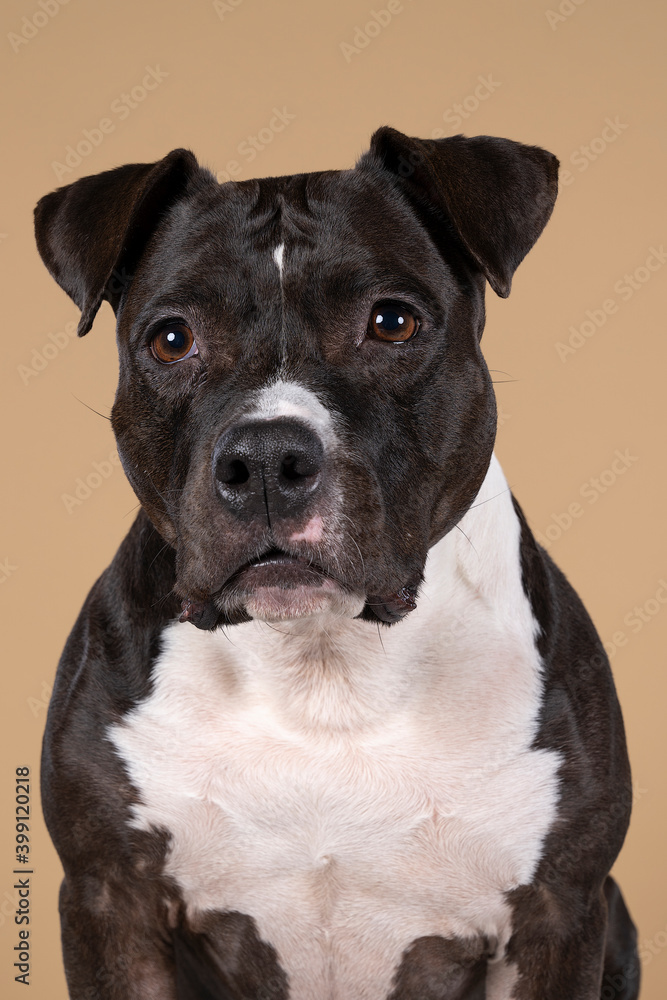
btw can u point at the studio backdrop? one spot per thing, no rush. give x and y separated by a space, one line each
577 351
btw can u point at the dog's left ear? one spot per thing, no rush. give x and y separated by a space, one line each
496 193
90 234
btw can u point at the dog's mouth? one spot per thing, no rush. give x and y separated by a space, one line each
274 586
277 568
278 585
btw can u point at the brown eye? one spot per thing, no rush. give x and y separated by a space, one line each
173 343
392 322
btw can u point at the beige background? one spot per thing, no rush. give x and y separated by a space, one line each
552 79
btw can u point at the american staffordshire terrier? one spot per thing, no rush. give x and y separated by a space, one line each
332 725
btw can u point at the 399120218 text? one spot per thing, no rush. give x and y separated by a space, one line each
22 884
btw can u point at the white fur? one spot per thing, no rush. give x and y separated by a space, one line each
312 532
349 792
278 258
284 398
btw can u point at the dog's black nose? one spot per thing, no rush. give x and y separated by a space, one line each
267 469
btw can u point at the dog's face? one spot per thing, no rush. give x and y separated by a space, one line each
303 408
319 440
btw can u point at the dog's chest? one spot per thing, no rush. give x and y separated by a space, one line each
346 820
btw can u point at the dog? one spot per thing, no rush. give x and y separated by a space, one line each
332 725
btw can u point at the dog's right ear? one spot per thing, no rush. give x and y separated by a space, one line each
90 234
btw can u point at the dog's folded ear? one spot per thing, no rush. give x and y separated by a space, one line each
497 194
90 234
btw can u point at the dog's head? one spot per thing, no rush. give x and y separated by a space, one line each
303 408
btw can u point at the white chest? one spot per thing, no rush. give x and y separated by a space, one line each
343 846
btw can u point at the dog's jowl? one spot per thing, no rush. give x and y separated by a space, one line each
321 730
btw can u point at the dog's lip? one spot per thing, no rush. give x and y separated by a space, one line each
274 556
278 557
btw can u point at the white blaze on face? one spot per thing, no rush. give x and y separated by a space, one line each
278 257
284 398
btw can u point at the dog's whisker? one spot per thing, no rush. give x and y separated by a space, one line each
163 600
488 499
354 542
92 409
164 500
158 554
459 528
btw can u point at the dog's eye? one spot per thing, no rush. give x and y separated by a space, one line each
173 343
393 322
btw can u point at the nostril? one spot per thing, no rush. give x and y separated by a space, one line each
295 467
232 473
288 468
